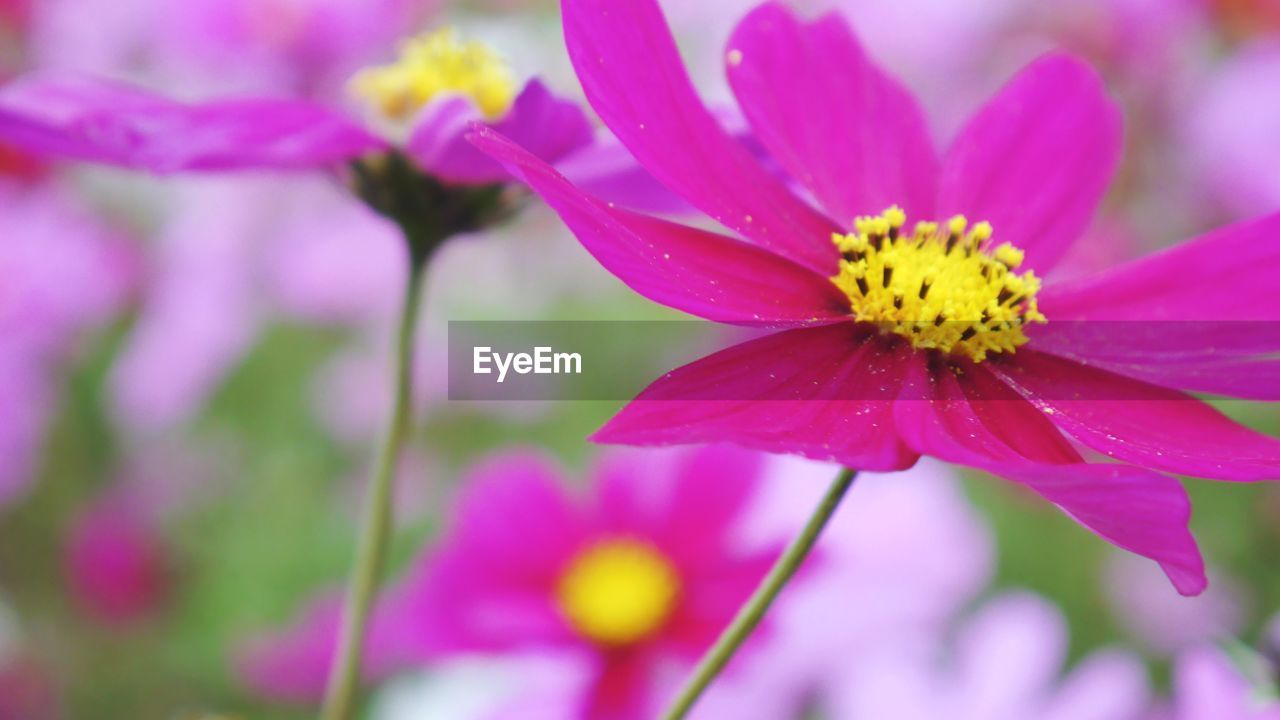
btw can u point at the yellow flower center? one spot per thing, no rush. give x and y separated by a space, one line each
942 288
436 64
617 592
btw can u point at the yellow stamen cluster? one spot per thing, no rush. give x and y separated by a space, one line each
435 64
943 288
617 592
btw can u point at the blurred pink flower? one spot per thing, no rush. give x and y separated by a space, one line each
310 47
1208 684
27 692
292 665
201 307
637 578
1109 242
895 569
1004 664
1161 620
115 563
331 261
62 272
351 392
116 124
915 38
1231 131
1140 43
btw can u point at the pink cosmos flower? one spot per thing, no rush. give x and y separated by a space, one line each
202 307
62 269
935 340
1230 134
308 46
1003 664
1161 621
635 579
1208 684
896 570
62 272
114 562
424 101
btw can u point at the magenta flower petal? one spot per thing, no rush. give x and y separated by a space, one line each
1037 159
1140 423
1016 424
1138 510
1208 683
725 588
1199 316
1141 511
689 500
629 67
120 125
623 691
453 607
1232 358
494 582
293 665
548 127
1225 275
974 419
491 584
514 517
840 125
702 273
607 170
114 562
824 393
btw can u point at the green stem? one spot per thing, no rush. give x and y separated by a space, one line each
375 529
754 610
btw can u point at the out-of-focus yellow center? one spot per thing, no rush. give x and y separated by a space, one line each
436 64
617 592
943 288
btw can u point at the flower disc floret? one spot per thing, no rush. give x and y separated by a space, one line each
436 64
618 591
947 288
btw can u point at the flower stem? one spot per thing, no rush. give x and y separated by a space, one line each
755 608
375 529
